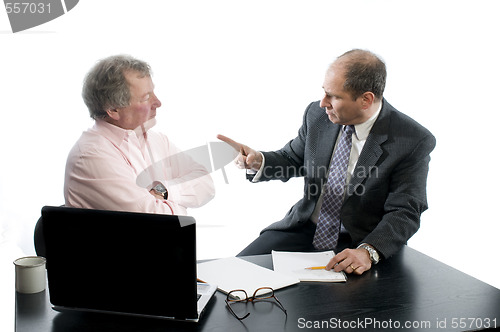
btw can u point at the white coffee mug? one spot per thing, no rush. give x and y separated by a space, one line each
30 274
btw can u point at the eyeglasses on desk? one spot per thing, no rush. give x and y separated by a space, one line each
239 296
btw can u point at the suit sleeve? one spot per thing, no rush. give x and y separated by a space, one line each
405 202
288 162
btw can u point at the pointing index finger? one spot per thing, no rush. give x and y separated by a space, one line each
237 146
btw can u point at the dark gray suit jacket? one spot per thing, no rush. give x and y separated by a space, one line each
387 192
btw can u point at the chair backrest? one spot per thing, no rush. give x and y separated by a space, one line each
38 238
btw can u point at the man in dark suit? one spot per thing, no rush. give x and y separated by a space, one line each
384 189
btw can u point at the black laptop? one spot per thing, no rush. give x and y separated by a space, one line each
122 262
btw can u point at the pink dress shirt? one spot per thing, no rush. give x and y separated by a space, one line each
111 168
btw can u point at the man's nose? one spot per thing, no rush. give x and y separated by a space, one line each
324 102
156 101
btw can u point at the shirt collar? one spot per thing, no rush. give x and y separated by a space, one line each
114 133
362 130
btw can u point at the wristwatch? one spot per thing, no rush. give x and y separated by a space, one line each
375 258
160 189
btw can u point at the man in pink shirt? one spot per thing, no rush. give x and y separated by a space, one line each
119 163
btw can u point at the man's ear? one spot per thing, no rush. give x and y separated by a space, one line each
367 99
113 114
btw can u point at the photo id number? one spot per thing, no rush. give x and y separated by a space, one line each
27 7
473 323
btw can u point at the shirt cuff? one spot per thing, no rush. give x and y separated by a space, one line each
258 174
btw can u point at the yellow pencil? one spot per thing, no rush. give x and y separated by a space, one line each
316 268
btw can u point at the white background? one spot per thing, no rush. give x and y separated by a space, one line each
248 70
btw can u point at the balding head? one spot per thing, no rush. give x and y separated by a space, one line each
363 72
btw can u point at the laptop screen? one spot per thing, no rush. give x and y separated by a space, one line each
122 262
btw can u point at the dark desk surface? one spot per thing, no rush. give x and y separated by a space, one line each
409 288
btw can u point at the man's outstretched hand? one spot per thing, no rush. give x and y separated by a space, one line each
247 158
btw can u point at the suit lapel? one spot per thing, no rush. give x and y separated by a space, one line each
326 136
372 150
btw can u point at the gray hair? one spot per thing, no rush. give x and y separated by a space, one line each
105 86
364 71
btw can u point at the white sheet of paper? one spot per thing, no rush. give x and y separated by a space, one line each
296 264
235 273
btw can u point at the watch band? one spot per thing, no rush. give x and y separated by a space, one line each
165 194
374 256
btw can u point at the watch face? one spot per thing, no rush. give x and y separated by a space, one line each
374 256
160 188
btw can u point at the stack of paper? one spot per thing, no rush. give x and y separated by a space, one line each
235 273
297 263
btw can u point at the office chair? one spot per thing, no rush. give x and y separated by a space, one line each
38 238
